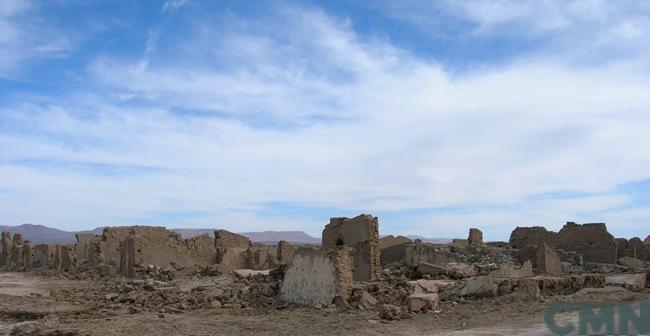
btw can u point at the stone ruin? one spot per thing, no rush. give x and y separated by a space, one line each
318 277
361 234
389 241
475 237
591 241
17 254
395 276
523 236
128 250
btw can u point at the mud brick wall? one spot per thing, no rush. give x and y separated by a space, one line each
591 240
535 235
362 234
285 253
475 237
317 277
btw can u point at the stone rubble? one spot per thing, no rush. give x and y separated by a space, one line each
151 269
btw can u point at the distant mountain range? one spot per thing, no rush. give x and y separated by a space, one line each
40 234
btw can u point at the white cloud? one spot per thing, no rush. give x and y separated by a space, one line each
23 38
173 5
316 114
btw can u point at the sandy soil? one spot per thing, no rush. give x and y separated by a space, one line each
27 308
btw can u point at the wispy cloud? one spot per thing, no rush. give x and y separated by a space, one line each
173 5
240 113
23 38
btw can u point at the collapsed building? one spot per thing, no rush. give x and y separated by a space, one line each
124 250
395 276
361 235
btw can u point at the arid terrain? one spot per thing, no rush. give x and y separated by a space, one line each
28 308
150 281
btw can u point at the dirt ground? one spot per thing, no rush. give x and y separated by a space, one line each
28 308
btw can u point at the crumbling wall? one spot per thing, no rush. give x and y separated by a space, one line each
389 241
5 249
231 249
591 240
362 234
639 249
535 235
475 237
82 247
127 258
548 262
412 254
41 258
316 278
285 253
622 248
261 257
16 259
153 246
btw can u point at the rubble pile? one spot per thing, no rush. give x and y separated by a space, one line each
150 269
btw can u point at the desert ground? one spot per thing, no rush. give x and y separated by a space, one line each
41 305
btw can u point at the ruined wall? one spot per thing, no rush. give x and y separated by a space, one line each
548 262
285 253
152 246
622 248
536 235
5 249
317 277
232 249
647 240
127 258
82 247
475 237
412 254
389 241
261 257
639 249
591 240
362 234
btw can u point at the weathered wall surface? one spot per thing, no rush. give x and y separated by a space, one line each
412 254
548 262
285 253
475 237
591 240
315 278
232 249
389 241
639 249
82 247
535 235
362 234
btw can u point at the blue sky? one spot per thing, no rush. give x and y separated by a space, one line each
436 116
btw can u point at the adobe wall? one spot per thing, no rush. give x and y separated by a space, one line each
317 277
232 249
362 234
475 237
261 257
535 235
638 248
548 262
82 247
5 249
591 240
285 253
412 254
388 241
